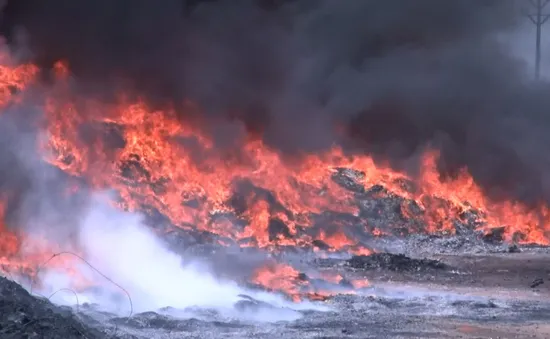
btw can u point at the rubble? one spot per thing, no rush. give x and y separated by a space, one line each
394 262
537 282
349 179
250 304
495 235
25 316
514 249
154 320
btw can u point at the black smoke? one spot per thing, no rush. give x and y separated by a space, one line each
385 77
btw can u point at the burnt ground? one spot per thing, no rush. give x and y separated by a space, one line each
490 295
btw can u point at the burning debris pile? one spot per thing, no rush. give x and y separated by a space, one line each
218 155
326 203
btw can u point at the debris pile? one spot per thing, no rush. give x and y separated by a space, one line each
394 262
25 316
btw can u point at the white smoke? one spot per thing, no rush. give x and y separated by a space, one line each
119 244
122 248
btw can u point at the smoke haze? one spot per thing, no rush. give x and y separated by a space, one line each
389 78
121 247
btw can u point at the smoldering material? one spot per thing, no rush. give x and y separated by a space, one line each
388 78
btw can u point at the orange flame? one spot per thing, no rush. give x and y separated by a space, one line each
13 79
145 155
280 278
152 168
24 255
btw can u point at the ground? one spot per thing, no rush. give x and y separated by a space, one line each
486 295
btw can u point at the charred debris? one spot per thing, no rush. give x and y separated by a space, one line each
384 219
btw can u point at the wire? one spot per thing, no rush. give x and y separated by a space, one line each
93 268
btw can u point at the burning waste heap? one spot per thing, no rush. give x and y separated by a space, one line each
303 129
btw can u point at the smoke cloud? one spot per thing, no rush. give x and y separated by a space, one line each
34 193
388 78
120 246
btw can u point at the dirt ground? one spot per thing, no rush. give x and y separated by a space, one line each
473 296
508 278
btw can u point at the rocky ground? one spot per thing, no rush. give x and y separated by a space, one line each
498 295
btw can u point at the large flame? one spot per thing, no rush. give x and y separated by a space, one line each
13 79
145 156
153 168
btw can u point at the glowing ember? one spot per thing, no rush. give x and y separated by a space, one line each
280 278
358 284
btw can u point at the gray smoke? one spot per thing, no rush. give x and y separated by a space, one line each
388 78
34 194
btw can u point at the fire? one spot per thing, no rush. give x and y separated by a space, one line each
23 255
464 193
13 260
153 169
156 162
339 241
287 280
151 166
280 278
334 278
9 244
13 78
360 283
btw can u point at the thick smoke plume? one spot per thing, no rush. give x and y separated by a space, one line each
385 77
